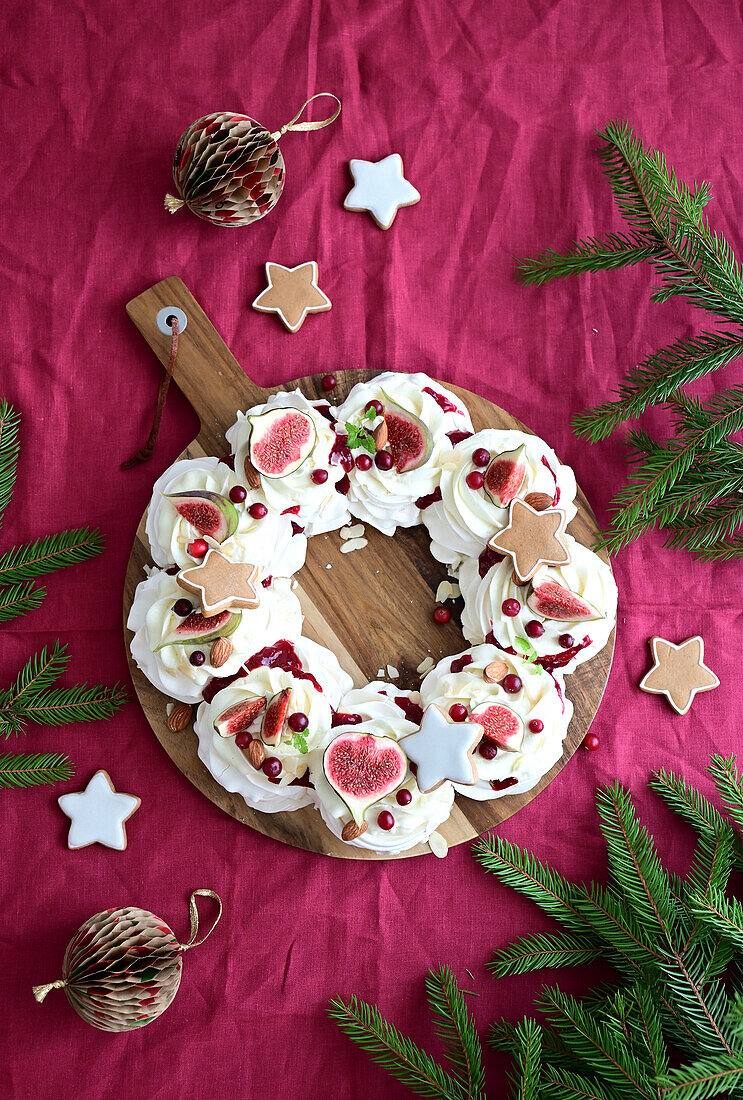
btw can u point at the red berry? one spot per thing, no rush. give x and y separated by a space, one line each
534 629
511 683
383 460
238 494
243 739
480 456
319 476
197 658
257 511
376 405
404 797
328 382
475 480
183 608
457 712
298 721
510 608
272 767
536 725
591 742
386 821
363 462
487 750
198 548
567 641
442 615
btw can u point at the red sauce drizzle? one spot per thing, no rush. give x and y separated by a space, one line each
302 780
458 437
442 402
556 497
266 582
281 655
228 460
218 682
343 485
293 511
488 558
412 711
296 529
340 454
324 410
429 499
559 660
501 784
343 718
460 663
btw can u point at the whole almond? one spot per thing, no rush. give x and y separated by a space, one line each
352 831
220 652
252 476
256 754
179 717
381 435
495 672
540 502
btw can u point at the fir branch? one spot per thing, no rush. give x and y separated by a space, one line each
28 769
19 599
45 555
543 952
693 807
526 1075
724 916
727 780
563 1084
61 706
718 1076
10 421
524 873
37 676
456 1029
591 254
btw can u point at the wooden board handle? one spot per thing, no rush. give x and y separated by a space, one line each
206 371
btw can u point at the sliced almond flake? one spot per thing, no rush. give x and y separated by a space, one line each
443 592
455 592
438 845
353 544
425 665
380 672
352 532
169 708
392 672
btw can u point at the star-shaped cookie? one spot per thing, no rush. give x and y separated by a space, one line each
532 539
292 293
443 750
679 672
380 188
220 583
98 813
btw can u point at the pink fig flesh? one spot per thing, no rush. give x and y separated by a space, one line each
505 476
553 601
239 717
363 768
209 513
408 439
500 725
274 719
198 629
280 441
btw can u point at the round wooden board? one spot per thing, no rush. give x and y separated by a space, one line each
354 608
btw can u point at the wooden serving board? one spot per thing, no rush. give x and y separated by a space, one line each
371 608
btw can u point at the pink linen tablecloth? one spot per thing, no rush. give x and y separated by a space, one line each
493 107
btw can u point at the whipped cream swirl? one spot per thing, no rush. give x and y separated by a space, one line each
385 498
538 699
230 766
321 507
586 575
414 823
152 619
463 521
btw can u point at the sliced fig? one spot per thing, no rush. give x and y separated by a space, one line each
505 476
280 441
408 439
239 717
198 629
362 769
500 725
210 513
275 717
553 601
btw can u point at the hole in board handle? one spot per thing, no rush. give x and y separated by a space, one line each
164 320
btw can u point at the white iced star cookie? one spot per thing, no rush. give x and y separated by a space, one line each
380 188
98 813
443 750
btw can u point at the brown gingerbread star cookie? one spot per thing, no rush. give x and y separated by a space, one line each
678 672
292 293
221 584
532 539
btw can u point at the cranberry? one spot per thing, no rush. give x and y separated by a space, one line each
475 480
319 476
183 608
511 683
534 629
257 511
238 494
404 797
328 382
243 739
383 460
536 725
386 821
457 712
567 641
197 658
272 767
488 750
298 721
363 462
510 608
197 548
591 742
376 405
442 615
480 456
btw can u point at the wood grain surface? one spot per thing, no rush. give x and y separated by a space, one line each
371 607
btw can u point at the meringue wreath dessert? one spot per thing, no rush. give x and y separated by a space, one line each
217 625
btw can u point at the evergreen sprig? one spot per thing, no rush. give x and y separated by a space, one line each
670 1029
10 421
690 485
26 769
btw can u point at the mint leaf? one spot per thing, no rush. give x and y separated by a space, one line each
360 437
370 414
299 741
528 651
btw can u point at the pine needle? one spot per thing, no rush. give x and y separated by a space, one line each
47 554
10 422
28 769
